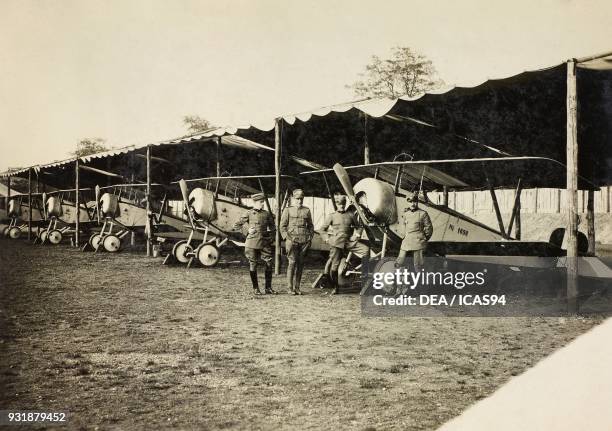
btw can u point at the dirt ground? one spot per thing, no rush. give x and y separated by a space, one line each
122 342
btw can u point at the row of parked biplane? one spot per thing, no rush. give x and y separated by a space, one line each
205 224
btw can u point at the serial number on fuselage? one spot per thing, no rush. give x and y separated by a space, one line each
459 230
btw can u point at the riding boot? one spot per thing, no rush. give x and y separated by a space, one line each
333 275
290 276
298 278
254 282
268 275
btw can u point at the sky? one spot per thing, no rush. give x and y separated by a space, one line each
129 70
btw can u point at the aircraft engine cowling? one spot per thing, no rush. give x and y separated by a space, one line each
202 202
378 197
109 205
14 209
54 207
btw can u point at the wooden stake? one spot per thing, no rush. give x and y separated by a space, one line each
77 203
148 201
572 186
277 193
591 221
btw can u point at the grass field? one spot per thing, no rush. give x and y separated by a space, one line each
120 341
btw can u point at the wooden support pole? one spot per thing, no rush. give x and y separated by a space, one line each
148 201
500 221
516 207
473 197
558 201
218 157
590 216
607 191
30 204
277 193
8 193
445 196
517 221
77 203
572 186
366 144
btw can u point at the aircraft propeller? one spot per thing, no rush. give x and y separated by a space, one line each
97 189
184 192
345 181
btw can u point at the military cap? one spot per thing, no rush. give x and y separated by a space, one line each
258 197
340 195
298 193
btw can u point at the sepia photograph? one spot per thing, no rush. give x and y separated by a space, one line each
306 215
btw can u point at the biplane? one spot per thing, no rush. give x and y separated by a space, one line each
60 213
213 209
379 197
17 213
121 210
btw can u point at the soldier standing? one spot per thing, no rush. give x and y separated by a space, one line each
417 231
345 236
259 240
297 230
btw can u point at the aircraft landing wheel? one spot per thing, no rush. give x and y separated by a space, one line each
344 279
5 231
180 251
43 236
385 265
208 254
111 243
94 241
14 232
55 237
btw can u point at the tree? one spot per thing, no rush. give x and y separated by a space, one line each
196 124
87 146
406 73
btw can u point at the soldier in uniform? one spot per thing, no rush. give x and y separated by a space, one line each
297 230
259 240
417 231
345 236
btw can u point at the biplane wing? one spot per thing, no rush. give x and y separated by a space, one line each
455 236
465 174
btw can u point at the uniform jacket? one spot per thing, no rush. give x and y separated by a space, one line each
343 223
261 223
296 224
417 229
